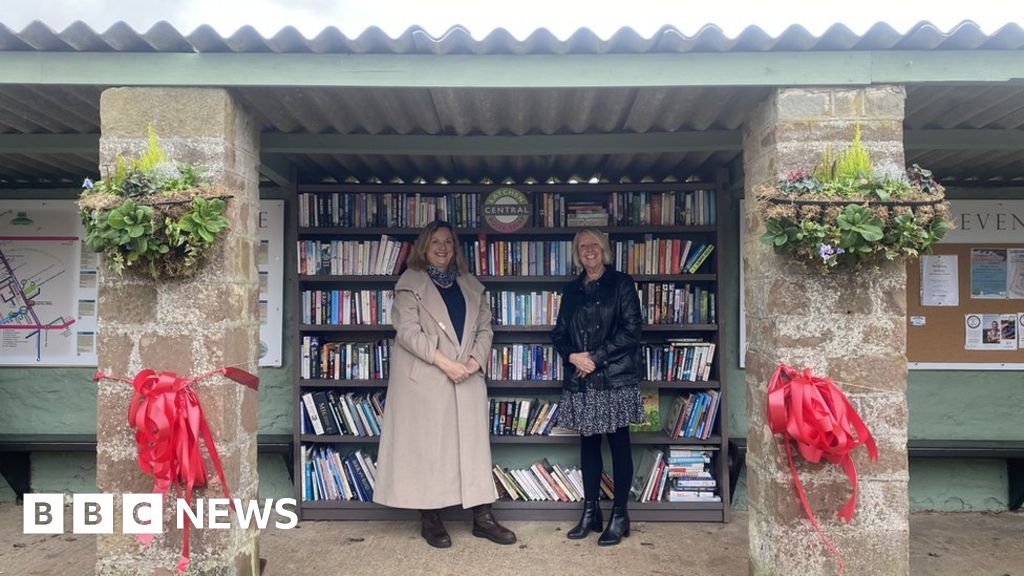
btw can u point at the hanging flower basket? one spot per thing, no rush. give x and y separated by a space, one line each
842 216
152 217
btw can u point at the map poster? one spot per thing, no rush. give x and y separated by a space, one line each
270 260
47 289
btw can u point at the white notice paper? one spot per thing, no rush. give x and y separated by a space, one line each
940 285
1015 273
991 331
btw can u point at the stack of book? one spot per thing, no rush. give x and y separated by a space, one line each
344 360
511 308
386 256
524 362
678 474
521 416
685 359
327 475
693 415
586 213
326 412
544 482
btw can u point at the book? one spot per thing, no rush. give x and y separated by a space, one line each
652 411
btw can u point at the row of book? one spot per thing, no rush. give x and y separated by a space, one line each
326 412
347 307
679 360
524 362
675 208
524 417
676 474
673 303
387 209
486 257
674 361
386 256
327 475
693 415
543 482
663 256
322 359
513 308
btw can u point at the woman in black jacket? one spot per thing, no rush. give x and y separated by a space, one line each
598 336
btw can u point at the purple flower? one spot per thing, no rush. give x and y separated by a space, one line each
826 252
87 184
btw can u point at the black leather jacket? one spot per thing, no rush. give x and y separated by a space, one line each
603 319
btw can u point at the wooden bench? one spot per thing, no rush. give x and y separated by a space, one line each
1010 450
15 448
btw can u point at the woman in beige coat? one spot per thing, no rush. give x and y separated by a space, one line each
434 449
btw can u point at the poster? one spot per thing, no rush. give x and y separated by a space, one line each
48 283
47 286
1015 272
940 284
988 273
270 262
991 331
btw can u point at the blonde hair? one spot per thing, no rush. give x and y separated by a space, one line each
602 240
418 254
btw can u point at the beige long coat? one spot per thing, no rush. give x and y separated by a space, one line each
435 447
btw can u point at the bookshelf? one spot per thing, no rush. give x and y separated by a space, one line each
515 279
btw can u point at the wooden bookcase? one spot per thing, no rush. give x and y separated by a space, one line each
518 510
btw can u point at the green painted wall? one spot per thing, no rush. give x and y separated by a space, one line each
41 400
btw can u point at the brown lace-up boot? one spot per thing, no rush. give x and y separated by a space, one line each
485 526
433 529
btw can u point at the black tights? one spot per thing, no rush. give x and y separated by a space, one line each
622 464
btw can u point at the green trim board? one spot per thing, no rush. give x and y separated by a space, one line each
826 68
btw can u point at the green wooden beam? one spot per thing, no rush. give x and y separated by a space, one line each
938 139
823 68
276 168
49 143
541 145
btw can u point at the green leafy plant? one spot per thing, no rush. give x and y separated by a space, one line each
152 215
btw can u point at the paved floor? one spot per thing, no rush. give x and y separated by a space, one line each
970 544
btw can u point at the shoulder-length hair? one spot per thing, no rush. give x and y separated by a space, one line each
418 254
602 240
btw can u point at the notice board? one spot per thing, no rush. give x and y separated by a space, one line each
957 316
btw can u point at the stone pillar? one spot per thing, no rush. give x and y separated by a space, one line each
187 327
848 327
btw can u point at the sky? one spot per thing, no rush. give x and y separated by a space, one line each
520 17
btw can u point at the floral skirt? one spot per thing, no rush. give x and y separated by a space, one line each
600 411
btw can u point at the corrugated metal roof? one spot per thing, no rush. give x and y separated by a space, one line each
162 37
26 109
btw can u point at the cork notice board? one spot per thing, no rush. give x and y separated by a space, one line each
937 335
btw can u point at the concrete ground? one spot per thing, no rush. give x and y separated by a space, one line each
973 544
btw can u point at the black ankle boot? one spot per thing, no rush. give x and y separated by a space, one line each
618 526
591 521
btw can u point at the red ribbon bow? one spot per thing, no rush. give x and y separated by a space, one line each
819 417
168 421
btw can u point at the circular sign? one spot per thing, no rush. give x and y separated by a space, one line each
973 321
506 210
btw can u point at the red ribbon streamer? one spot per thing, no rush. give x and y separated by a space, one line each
820 419
168 421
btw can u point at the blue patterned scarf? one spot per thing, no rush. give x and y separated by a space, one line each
443 278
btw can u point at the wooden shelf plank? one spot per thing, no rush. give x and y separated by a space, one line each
511 384
488 280
530 231
385 328
637 438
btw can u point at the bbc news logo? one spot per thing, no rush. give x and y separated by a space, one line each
143 513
